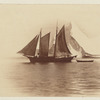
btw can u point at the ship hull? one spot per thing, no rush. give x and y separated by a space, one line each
50 59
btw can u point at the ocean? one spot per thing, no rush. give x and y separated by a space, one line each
19 77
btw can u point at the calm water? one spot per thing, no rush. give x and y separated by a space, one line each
18 77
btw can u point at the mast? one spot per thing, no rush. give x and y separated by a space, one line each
40 41
55 40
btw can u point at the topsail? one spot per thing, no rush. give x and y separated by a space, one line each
30 48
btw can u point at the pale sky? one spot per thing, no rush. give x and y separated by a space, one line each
20 23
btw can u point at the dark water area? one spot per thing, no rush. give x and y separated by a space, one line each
19 77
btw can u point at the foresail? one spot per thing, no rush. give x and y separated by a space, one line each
61 45
30 48
44 45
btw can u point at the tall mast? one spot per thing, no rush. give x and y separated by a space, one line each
40 40
55 39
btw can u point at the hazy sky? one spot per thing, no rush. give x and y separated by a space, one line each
20 23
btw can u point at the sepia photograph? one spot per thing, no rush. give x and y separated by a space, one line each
49 50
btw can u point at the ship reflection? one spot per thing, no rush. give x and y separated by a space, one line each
58 79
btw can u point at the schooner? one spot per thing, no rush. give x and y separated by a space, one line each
61 51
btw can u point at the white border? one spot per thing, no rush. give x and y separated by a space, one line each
50 1
49 98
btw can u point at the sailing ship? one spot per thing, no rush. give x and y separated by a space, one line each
61 52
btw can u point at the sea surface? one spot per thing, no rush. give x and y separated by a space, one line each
19 77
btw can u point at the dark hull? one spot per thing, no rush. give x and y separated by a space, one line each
50 59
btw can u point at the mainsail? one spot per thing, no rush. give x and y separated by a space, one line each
30 48
61 45
44 45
